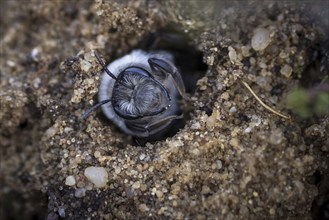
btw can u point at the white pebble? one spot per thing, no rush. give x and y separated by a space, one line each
136 185
219 164
286 70
210 60
261 39
70 181
51 132
232 55
195 126
100 12
36 83
142 156
85 65
11 63
34 53
233 109
80 192
61 212
97 175
247 130
89 56
68 129
117 170
245 51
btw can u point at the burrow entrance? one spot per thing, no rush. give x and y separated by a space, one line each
187 59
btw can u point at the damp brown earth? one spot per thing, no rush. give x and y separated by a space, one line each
233 158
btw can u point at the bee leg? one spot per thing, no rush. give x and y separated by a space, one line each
138 142
151 126
145 130
162 69
91 109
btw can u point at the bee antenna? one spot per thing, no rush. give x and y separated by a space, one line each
100 61
91 109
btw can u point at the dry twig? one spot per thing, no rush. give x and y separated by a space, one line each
262 103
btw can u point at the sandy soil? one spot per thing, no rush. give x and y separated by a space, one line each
233 159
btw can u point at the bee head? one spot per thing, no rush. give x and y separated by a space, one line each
137 94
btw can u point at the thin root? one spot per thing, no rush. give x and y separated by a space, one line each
262 103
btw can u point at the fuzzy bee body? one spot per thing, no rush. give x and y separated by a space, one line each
144 93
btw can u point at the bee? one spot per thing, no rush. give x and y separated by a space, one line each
140 92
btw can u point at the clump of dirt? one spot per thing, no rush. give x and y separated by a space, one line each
233 159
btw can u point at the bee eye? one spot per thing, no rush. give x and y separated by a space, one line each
138 70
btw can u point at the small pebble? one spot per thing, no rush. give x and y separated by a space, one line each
211 122
286 70
142 156
276 137
210 60
34 53
36 83
195 126
70 181
143 208
233 109
61 212
219 164
68 129
117 170
80 192
97 175
205 189
11 63
261 39
234 142
136 185
159 194
247 130
97 154
85 65
89 56
232 55
245 51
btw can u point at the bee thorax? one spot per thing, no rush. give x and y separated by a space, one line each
149 98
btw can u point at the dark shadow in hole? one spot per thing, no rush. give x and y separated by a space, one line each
23 125
320 204
187 58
